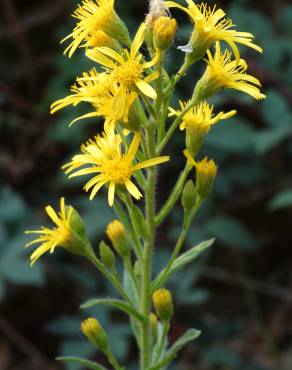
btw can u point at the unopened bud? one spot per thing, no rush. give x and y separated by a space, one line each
107 255
116 232
92 329
206 171
153 325
188 198
162 301
164 32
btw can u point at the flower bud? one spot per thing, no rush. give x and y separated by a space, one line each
153 325
206 171
164 32
106 254
162 301
116 233
188 198
92 329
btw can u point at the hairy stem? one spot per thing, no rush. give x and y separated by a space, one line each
147 255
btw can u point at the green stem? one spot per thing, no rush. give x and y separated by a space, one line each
112 360
164 211
162 340
175 123
184 231
149 106
181 71
112 278
147 255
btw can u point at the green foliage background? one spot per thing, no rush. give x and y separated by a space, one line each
239 293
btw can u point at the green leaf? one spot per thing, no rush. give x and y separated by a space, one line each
281 200
190 255
83 362
116 303
181 262
231 232
190 335
129 287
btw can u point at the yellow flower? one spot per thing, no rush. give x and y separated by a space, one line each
116 233
99 90
210 25
197 122
104 156
206 172
200 116
59 236
127 69
164 32
157 8
94 16
223 72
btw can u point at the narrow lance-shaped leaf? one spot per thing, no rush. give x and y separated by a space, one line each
116 303
86 363
181 261
190 335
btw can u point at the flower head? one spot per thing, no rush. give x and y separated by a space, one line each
94 16
104 157
197 122
99 90
164 32
200 116
126 69
162 301
223 72
210 25
116 233
69 233
206 172
92 329
157 8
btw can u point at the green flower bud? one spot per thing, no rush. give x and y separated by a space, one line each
206 171
107 255
92 329
116 233
188 198
162 301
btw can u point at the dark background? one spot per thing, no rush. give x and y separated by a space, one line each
238 294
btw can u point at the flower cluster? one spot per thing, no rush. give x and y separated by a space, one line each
129 90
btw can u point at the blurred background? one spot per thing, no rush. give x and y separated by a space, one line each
239 293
